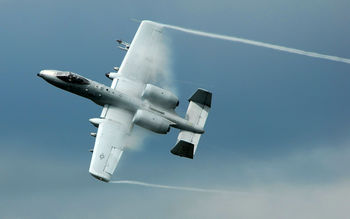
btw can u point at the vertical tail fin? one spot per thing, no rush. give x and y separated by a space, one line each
197 113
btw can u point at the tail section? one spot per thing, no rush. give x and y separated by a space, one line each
197 113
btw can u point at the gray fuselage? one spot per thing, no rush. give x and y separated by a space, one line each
104 95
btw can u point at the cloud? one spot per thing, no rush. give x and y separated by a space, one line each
37 184
317 164
282 201
274 202
137 138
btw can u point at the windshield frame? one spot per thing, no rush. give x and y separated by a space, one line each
72 78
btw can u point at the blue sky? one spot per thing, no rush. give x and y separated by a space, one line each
278 130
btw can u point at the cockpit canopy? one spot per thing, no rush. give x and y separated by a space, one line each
70 77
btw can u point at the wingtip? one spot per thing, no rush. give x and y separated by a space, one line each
106 180
142 21
102 176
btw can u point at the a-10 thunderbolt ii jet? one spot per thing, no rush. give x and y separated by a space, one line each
131 100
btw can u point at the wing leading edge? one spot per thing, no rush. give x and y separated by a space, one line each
146 61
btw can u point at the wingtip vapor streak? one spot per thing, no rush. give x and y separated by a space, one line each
132 99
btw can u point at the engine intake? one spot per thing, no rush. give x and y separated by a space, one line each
111 75
160 97
151 122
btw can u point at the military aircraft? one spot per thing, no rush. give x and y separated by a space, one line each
133 99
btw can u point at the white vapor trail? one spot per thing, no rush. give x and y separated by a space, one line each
191 189
260 44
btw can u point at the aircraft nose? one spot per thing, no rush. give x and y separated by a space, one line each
47 74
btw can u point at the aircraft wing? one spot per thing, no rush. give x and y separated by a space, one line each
145 61
113 131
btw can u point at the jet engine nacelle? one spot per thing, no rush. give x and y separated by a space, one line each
151 122
160 97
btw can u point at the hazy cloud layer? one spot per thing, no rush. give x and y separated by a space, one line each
61 187
278 202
